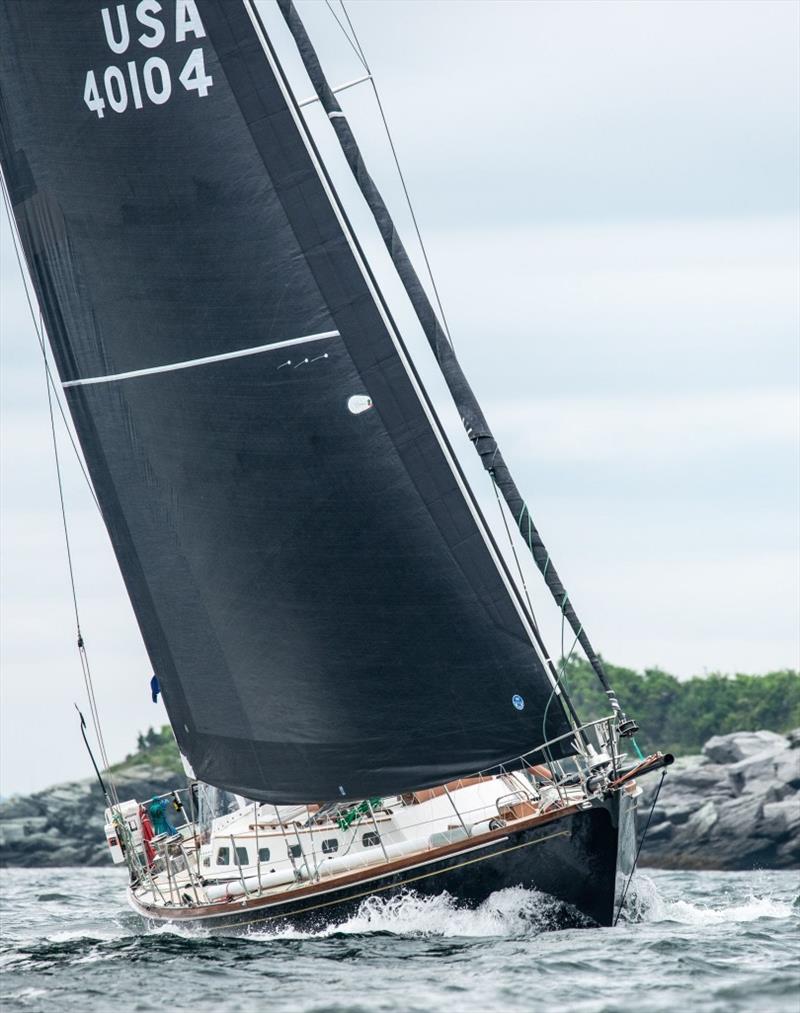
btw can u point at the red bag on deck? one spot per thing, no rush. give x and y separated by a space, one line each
147 835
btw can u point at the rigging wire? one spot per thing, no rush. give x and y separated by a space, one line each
40 340
562 673
64 525
352 29
641 842
84 659
51 395
514 552
355 44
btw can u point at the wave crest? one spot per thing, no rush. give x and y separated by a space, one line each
645 903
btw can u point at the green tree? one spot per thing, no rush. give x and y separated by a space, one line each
681 715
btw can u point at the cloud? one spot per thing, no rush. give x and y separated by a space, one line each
689 305
582 111
649 431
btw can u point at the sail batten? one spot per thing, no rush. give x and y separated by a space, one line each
322 605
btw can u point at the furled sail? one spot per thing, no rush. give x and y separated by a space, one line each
320 597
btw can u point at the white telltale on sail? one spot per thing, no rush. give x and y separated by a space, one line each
359 403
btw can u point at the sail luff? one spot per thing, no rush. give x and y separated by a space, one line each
466 402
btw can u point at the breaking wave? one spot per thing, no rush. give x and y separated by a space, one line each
645 903
517 912
715 940
511 912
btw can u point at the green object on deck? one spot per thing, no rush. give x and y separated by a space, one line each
157 810
351 815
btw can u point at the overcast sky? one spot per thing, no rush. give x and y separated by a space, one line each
609 195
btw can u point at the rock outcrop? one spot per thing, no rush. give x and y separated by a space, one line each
735 806
63 825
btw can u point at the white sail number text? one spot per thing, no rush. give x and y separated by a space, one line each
130 86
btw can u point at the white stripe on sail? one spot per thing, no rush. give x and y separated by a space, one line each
187 363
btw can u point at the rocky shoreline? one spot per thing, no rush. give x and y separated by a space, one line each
735 806
63 825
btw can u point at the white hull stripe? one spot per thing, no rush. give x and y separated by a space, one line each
187 363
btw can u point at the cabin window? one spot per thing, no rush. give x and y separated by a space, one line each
295 851
263 854
370 839
329 846
223 856
242 858
207 862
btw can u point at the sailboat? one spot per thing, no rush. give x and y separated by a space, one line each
354 675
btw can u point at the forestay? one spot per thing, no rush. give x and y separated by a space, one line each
318 594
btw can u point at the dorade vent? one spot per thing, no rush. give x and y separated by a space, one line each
359 403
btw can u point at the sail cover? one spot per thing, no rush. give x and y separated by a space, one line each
320 598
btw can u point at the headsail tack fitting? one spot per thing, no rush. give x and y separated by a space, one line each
471 413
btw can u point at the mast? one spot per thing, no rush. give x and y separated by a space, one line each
466 402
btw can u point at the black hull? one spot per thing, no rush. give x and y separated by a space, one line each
581 860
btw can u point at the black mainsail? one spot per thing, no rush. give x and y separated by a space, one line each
320 597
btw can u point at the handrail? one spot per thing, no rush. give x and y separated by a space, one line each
545 745
650 762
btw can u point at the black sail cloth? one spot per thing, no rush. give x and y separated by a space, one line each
471 413
323 606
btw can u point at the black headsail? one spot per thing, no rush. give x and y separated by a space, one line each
471 413
319 595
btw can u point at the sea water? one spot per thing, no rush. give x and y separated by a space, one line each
695 941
